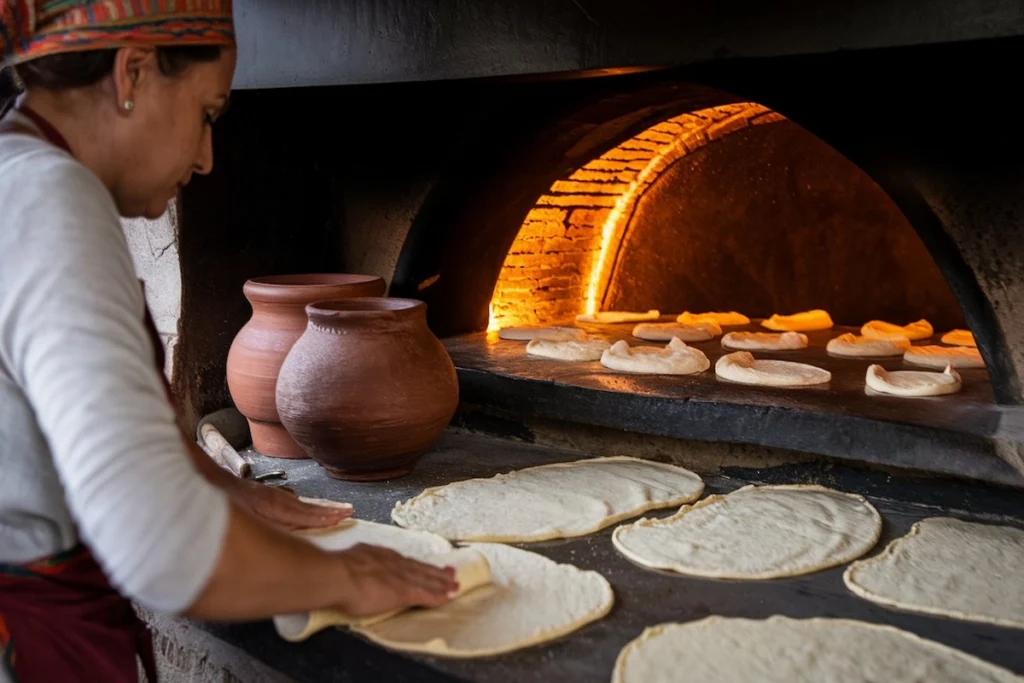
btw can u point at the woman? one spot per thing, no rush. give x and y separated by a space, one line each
97 481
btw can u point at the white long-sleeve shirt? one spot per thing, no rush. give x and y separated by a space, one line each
89 447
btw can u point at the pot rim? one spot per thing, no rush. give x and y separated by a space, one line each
364 307
301 288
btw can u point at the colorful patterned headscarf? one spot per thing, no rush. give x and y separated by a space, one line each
36 28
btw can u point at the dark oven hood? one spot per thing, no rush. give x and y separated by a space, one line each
287 43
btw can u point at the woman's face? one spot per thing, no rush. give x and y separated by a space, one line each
168 134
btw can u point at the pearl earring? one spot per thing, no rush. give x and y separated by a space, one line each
129 105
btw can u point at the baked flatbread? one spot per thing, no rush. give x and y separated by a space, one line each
617 316
577 351
806 321
765 341
664 332
959 338
720 318
941 356
674 359
913 382
742 367
853 346
879 329
552 333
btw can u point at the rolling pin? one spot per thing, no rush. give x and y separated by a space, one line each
223 452
471 571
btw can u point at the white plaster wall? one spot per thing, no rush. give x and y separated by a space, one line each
154 248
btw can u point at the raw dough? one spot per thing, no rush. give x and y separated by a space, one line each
806 321
742 367
471 572
959 338
554 333
418 545
688 333
675 359
783 650
549 501
721 318
941 356
879 329
951 568
756 532
913 382
567 350
765 341
617 316
853 346
531 600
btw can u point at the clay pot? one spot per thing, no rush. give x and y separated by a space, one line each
278 320
367 388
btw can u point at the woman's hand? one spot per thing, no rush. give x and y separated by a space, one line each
382 580
282 508
278 507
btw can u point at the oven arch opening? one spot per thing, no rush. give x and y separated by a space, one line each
730 207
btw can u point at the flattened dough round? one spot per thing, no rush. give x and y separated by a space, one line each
756 532
941 356
765 341
618 316
853 346
913 382
552 333
688 333
549 501
742 367
578 351
531 600
784 650
471 571
676 358
416 544
720 318
805 321
879 329
959 338
948 567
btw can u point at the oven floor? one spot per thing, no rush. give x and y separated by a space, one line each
947 435
643 597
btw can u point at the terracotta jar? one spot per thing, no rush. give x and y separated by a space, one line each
278 320
368 387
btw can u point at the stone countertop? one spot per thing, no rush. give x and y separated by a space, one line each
643 597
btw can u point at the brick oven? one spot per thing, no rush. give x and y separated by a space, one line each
521 163
843 181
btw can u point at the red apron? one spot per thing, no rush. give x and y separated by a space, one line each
60 619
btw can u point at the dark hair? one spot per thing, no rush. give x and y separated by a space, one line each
70 70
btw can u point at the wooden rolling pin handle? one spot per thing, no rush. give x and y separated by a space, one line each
224 453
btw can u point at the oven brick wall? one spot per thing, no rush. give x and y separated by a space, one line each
546 276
